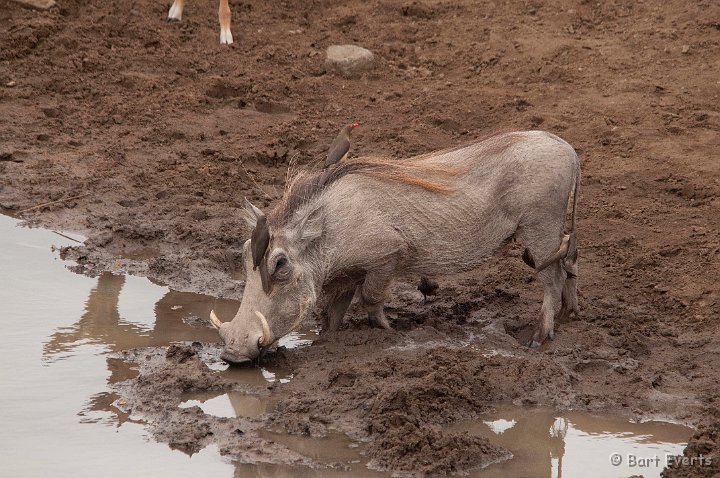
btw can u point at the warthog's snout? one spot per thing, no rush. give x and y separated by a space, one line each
241 348
233 358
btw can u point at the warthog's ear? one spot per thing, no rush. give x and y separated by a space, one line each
251 214
311 227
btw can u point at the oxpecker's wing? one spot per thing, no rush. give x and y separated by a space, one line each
338 149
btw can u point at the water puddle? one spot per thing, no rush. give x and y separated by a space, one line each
544 443
59 332
229 405
61 329
336 449
555 444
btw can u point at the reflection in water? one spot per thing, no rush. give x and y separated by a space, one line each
553 444
178 316
102 323
335 449
107 407
42 394
544 443
230 404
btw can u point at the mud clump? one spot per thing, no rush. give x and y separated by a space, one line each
181 371
438 387
423 450
701 457
166 375
403 402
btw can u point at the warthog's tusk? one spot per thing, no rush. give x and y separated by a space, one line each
265 339
214 320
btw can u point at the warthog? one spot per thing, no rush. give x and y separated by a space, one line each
350 229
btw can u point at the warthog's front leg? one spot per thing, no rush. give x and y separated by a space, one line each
336 310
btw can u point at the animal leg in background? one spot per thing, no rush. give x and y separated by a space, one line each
175 13
224 16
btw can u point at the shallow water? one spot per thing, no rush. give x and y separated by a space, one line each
230 404
59 417
555 444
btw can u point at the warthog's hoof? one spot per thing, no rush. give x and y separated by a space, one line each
380 321
534 344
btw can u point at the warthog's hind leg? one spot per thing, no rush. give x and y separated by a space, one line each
552 279
542 240
569 293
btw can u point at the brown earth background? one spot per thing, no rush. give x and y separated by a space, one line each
162 132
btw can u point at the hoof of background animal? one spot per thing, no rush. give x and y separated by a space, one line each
175 13
226 37
534 344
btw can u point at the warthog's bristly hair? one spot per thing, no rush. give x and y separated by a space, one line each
413 171
306 186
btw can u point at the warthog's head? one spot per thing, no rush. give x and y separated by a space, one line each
279 288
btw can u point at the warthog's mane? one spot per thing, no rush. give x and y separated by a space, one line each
304 187
415 171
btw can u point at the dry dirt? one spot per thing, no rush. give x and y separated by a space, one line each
162 132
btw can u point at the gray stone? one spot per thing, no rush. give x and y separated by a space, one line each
349 60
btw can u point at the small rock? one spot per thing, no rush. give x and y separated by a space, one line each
349 60
685 49
51 112
11 83
426 72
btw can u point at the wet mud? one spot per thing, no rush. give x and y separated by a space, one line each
145 137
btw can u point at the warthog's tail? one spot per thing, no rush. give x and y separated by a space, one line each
567 252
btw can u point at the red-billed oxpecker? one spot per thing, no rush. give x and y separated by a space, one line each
340 147
259 242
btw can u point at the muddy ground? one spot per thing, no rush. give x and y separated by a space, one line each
161 131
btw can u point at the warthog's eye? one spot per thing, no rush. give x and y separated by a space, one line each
281 270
